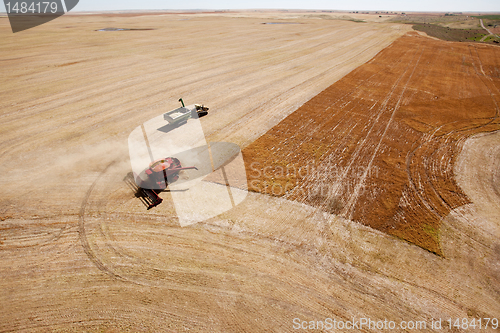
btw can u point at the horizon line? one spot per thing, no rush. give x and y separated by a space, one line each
351 11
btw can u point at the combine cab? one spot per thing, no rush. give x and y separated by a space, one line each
160 173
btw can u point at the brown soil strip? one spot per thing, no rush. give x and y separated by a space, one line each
450 34
378 146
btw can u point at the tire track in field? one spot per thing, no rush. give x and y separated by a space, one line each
465 131
432 139
424 164
348 210
344 100
83 233
144 274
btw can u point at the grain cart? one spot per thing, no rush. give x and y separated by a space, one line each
181 115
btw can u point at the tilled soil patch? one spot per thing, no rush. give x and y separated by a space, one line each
379 146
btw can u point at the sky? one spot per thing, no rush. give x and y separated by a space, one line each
377 5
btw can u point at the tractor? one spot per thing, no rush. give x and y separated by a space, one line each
181 115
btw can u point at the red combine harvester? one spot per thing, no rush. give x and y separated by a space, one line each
160 173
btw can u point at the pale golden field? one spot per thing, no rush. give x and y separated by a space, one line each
79 253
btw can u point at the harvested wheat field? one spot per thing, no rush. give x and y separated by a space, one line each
80 253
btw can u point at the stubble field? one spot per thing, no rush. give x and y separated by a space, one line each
79 252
